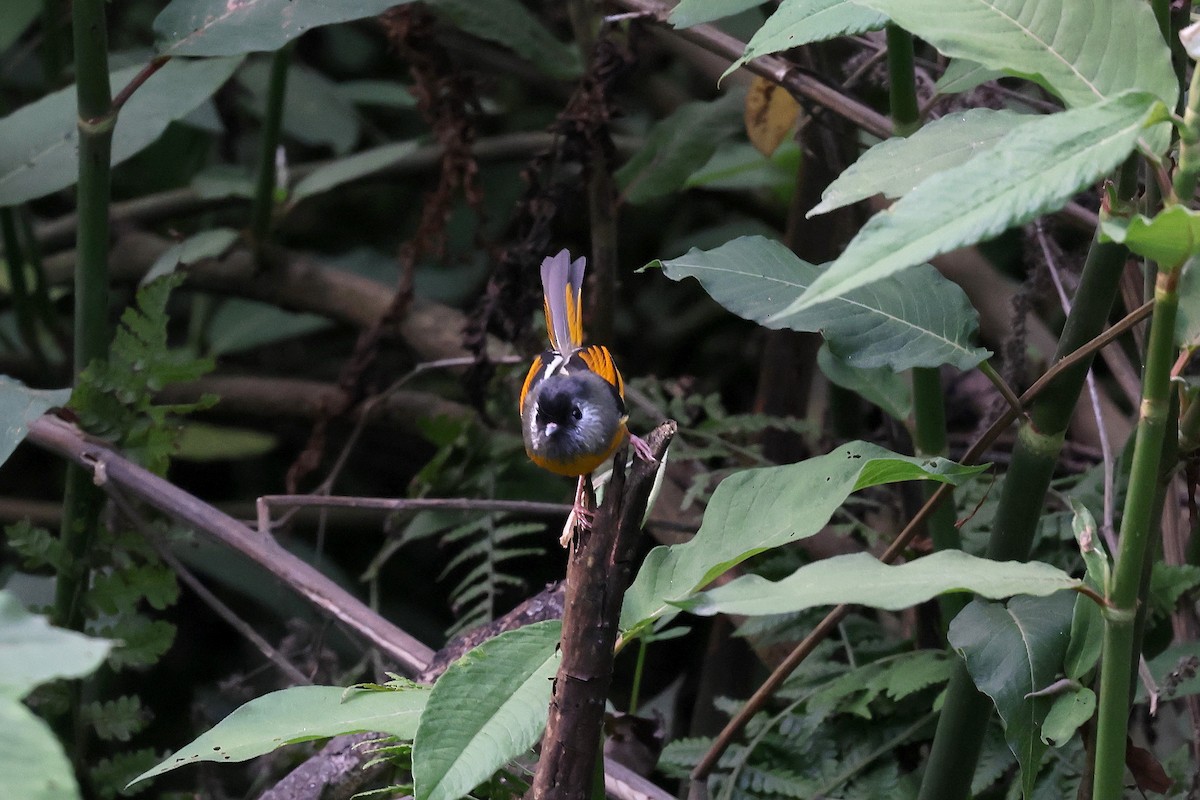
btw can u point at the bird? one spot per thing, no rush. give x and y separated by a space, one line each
573 415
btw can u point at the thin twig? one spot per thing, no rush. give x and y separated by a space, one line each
152 67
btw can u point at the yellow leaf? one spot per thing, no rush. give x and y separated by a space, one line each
771 113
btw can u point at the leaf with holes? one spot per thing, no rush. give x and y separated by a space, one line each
759 509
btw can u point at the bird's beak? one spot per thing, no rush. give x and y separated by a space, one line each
550 428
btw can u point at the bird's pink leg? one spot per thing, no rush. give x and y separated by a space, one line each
580 514
642 448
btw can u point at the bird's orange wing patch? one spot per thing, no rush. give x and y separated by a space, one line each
535 369
600 361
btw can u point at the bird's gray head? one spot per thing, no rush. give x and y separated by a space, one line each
571 415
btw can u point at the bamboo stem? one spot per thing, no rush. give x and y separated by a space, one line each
1119 620
264 190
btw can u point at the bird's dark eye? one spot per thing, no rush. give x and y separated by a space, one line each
576 413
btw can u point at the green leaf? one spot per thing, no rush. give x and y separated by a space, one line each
799 22
1087 639
511 24
861 579
1033 170
1069 711
33 652
737 166
17 17
887 389
220 28
1170 238
201 442
197 247
1187 321
1091 547
239 325
314 111
1083 52
1175 671
39 143
1012 650
19 406
300 714
695 12
487 708
678 146
963 75
383 94
32 761
895 166
760 509
916 319
351 168
117 719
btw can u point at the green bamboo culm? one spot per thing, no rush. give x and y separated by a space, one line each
97 119
1116 668
264 190
929 402
959 737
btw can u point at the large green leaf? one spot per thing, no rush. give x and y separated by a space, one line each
759 509
1082 51
963 75
488 707
1033 170
300 714
221 28
33 765
799 22
511 24
19 406
33 652
39 143
861 579
917 319
893 167
1012 651
678 146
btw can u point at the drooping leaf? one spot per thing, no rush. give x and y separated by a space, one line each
486 709
887 389
1083 52
1187 320
1069 711
350 168
32 761
300 714
677 146
893 167
383 94
799 22
760 509
202 442
1011 651
19 406
314 111
1170 238
239 325
861 579
197 247
220 28
1033 170
916 319
737 166
1087 639
695 12
33 652
512 25
963 75
39 143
